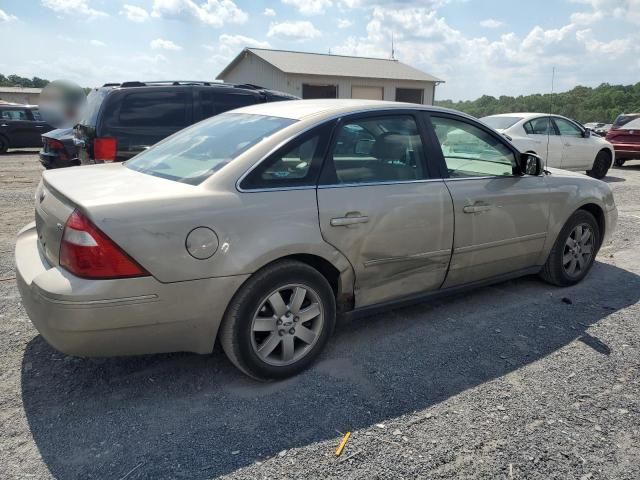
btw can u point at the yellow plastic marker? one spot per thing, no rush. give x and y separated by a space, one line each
342 444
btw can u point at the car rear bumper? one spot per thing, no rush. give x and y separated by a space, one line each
627 151
118 317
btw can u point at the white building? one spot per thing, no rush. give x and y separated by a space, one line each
316 75
23 95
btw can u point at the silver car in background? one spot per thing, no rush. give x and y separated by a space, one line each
258 227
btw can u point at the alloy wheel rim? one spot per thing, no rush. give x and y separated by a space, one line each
578 250
287 324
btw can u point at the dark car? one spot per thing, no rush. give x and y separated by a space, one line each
121 120
625 139
59 149
21 126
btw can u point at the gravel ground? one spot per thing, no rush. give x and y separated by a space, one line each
518 380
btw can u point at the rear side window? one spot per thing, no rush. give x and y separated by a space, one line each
378 149
297 164
37 116
213 102
154 109
15 114
540 126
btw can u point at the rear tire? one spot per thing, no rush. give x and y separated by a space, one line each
4 145
574 251
269 335
601 165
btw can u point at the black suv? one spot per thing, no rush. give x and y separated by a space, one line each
21 126
122 119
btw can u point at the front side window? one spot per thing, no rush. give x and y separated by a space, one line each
37 116
154 109
213 101
540 126
470 151
296 165
378 149
567 129
195 153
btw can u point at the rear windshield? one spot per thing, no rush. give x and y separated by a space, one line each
90 111
193 154
624 119
632 125
501 123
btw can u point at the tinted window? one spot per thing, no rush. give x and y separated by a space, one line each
36 115
501 123
623 119
567 128
295 165
14 114
470 151
632 125
378 149
540 126
195 153
213 102
154 109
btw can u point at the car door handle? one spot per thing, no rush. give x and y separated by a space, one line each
4 125
477 208
39 126
349 220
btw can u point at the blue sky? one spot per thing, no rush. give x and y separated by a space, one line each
477 46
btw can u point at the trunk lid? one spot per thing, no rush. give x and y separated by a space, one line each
95 190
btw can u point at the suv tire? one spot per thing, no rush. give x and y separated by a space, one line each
279 321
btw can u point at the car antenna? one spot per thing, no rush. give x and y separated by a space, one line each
546 158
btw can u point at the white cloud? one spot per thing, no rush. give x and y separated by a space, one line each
491 23
5 17
97 43
269 12
161 44
344 23
134 13
513 64
298 30
77 8
216 13
628 10
309 7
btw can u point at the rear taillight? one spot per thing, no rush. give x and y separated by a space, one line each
88 253
104 149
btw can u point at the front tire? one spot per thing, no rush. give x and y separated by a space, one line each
279 321
601 165
4 145
619 162
574 251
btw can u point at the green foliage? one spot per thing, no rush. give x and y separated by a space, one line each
18 81
584 104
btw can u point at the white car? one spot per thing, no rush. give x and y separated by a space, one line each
561 142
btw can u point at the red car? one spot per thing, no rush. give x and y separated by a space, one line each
625 138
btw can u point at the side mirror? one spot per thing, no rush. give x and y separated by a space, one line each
531 164
587 133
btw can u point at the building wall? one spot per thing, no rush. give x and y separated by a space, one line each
252 69
20 97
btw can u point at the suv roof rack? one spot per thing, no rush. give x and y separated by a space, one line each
136 83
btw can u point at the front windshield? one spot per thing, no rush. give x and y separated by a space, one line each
501 123
193 154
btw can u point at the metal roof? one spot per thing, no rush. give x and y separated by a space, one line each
334 65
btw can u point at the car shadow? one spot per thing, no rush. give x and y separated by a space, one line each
610 179
192 416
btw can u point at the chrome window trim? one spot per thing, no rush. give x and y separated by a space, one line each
386 182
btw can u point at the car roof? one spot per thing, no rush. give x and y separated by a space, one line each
303 109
